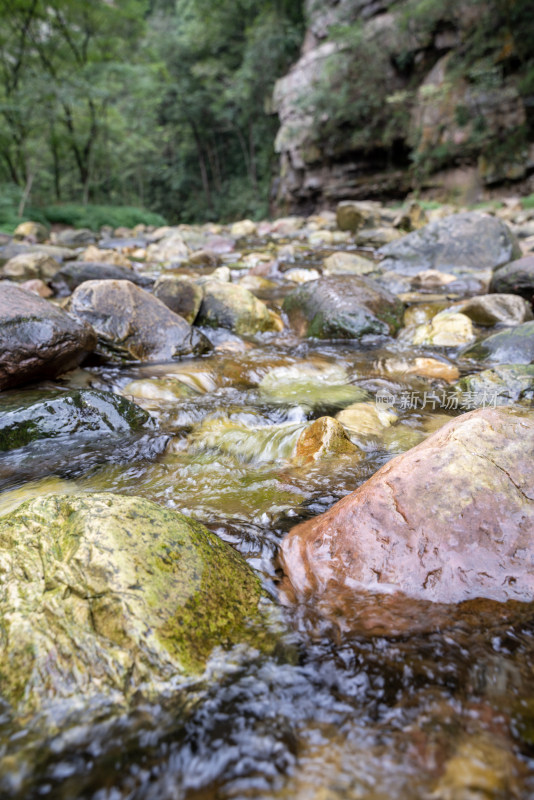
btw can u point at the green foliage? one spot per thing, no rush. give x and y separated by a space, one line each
161 104
10 196
528 202
95 216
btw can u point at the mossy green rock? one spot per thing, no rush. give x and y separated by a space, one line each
512 346
105 593
509 383
343 307
227 305
24 418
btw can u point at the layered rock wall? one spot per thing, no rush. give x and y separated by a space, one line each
390 97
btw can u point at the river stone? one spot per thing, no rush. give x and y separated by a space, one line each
450 520
299 275
35 231
16 249
342 307
347 264
460 242
377 237
28 266
517 277
171 249
352 215
159 390
107 594
30 416
490 309
37 340
512 346
205 258
75 238
502 385
132 324
366 419
323 438
243 228
93 253
72 275
180 295
226 305
446 329
37 286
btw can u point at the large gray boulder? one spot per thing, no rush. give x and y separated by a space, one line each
37 339
133 325
459 243
343 307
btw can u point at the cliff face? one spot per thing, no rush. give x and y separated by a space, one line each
388 97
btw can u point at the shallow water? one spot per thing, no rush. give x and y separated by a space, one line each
447 714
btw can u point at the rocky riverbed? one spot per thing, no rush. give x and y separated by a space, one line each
267 508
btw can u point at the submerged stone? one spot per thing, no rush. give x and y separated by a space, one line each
110 594
314 386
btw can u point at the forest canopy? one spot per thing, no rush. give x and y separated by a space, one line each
163 104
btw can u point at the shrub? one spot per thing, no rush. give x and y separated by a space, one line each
95 217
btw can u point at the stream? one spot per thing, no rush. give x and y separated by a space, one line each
331 713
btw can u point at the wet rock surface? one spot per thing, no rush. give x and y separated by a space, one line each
510 346
38 340
131 324
64 414
449 521
516 277
345 307
103 593
375 693
66 279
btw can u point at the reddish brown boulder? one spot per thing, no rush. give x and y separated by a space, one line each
448 521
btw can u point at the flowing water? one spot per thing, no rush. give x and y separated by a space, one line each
332 714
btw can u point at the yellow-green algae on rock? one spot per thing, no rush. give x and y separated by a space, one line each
103 593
